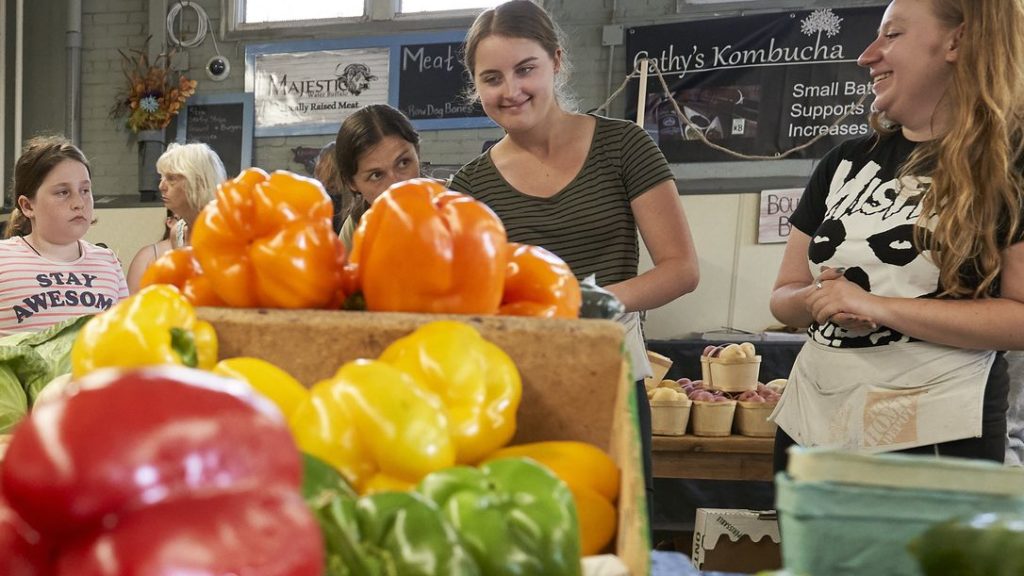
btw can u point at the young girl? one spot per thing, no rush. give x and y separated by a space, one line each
578 185
905 259
47 272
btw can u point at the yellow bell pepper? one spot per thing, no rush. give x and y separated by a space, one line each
376 425
155 326
477 381
274 383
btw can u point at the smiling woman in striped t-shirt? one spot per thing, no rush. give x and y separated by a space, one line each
577 184
47 272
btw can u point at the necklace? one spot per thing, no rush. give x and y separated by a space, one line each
29 244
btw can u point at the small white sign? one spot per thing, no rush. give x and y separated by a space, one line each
776 206
302 90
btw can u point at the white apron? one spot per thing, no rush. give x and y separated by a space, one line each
635 345
885 398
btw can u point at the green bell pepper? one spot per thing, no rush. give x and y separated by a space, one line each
383 534
987 544
515 516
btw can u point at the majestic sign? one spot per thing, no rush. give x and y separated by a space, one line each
758 85
305 90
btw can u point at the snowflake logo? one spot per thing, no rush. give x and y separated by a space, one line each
149 104
821 20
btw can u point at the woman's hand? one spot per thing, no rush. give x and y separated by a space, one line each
837 300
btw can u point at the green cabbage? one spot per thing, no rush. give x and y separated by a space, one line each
28 362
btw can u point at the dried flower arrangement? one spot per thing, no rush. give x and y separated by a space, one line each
155 93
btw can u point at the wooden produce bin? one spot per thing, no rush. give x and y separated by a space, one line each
575 380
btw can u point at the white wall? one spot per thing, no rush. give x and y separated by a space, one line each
736 272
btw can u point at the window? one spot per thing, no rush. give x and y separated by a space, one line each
413 6
277 11
263 13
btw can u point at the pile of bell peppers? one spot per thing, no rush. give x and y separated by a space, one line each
507 517
463 262
198 476
439 396
266 241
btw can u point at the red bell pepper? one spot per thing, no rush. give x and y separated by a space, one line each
264 532
22 549
164 470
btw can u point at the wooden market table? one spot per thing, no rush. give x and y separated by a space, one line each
712 458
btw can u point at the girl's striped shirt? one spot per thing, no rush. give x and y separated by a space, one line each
36 292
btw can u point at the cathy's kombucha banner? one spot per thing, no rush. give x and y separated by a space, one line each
758 84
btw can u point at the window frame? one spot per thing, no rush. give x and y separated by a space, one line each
373 11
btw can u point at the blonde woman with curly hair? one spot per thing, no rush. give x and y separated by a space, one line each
189 175
906 258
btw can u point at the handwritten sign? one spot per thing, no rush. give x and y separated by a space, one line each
223 122
432 83
776 206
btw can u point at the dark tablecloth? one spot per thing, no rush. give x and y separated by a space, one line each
676 501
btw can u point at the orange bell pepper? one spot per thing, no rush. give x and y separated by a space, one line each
267 241
179 268
423 248
538 283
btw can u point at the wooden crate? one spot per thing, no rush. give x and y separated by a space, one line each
575 379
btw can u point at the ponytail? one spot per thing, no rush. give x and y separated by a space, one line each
18 224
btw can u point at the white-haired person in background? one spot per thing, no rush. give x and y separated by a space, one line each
189 175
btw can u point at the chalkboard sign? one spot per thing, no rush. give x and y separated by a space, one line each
223 122
432 83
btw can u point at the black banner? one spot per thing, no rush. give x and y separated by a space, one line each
758 85
432 82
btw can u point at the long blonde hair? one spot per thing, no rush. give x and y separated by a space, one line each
976 189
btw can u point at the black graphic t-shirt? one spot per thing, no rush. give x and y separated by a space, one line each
860 217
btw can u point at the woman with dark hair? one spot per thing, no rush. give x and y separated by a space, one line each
47 272
376 147
326 172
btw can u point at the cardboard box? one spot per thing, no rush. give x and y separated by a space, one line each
732 540
576 384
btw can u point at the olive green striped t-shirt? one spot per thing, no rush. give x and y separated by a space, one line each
589 223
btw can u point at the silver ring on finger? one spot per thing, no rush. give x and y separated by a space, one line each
818 285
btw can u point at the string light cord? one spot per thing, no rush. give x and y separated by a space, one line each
666 93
